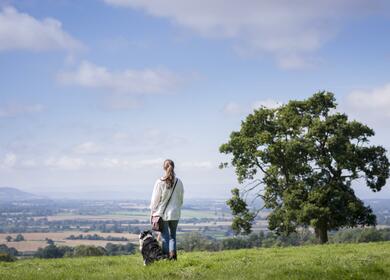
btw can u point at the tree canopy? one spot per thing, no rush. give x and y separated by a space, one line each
301 159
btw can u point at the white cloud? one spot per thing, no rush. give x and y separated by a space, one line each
288 30
197 165
24 32
112 163
28 163
370 106
13 110
128 81
375 100
65 162
162 138
120 136
87 148
154 162
9 160
294 61
122 102
75 163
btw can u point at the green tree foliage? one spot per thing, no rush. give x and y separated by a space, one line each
87 250
96 237
120 249
8 238
19 237
195 241
49 241
8 250
52 252
242 217
302 158
5 257
359 235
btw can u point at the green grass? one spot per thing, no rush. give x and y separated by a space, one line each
336 261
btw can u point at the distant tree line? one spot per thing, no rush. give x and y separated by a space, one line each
96 237
204 220
28 224
195 241
52 251
356 235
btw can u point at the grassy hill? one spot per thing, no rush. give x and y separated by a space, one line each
343 261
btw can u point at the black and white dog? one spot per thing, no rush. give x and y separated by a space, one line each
149 247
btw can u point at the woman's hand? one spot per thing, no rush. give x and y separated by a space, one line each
151 215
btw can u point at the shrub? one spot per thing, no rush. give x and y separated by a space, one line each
8 250
52 252
369 235
87 250
19 237
195 241
5 257
120 249
358 235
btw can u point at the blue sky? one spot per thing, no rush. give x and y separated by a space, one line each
95 94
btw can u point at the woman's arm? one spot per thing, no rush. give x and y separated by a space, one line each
156 197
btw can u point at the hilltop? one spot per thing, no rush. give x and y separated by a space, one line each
8 194
335 261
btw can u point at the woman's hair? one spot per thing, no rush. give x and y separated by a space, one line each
169 167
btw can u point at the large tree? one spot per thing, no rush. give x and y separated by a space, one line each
301 159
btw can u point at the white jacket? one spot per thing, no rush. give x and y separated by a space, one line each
161 196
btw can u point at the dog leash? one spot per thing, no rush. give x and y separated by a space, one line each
166 205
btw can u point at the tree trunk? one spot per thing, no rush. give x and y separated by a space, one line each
321 234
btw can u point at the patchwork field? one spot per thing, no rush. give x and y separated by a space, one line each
36 240
130 215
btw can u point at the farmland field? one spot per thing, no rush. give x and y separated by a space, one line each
138 214
36 240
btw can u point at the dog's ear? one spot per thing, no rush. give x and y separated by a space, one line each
143 234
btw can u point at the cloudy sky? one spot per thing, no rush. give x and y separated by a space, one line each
95 94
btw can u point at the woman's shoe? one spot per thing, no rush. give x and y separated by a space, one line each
172 256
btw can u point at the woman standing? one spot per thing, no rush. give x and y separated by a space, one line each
168 194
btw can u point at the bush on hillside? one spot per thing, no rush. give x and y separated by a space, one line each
96 237
88 250
52 252
359 235
8 250
195 241
19 237
5 257
120 249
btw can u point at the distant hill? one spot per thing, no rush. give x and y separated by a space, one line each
13 194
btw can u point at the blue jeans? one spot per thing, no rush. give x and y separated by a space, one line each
168 236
